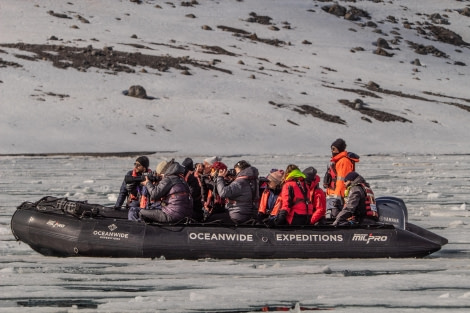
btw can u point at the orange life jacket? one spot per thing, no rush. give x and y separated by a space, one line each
263 204
340 165
143 199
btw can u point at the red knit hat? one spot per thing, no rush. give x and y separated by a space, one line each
219 166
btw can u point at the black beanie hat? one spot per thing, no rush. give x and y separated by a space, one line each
188 164
340 144
144 161
351 176
310 174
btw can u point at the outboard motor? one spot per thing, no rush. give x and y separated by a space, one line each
392 211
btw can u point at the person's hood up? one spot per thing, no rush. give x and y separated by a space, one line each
174 169
249 171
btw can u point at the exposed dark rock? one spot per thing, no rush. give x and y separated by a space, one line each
373 86
189 3
424 50
445 35
4 63
465 11
82 19
310 110
233 30
382 52
416 62
357 91
59 15
315 112
254 18
436 18
351 14
392 19
376 114
137 91
382 43
107 58
217 50
335 9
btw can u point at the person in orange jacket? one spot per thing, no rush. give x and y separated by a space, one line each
317 196
341 164
269 204
295 203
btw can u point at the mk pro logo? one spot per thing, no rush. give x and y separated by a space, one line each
369 238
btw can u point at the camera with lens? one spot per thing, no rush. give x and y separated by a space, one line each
151 176
231 172
129 179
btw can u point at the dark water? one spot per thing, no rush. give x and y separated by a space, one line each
435 188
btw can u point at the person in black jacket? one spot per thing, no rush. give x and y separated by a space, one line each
196 188
242 194
133 190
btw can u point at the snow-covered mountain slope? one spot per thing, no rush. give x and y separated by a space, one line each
234 77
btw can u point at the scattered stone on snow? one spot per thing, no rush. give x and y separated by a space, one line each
255 18
416 62
242 33
465 11
383 52
59 15
137 91
382 43
82 19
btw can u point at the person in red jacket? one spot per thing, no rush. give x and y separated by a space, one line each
316 195
295 202
341 164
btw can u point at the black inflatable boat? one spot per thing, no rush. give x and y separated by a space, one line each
64 228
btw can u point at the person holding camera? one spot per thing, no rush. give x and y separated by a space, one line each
171 196
214 204
242 193
132 189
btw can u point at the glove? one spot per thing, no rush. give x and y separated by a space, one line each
281 218
261 217
270 221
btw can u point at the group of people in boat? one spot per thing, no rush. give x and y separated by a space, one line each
209 191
